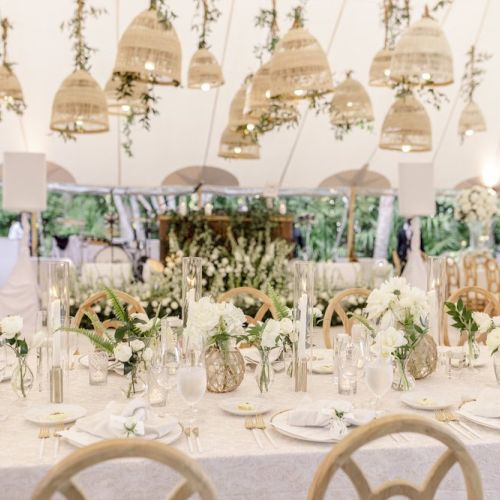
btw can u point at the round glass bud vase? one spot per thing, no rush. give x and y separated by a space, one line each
22 378
403 379
423 359
225 369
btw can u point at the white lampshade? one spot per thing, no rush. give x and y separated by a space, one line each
24 182
416 195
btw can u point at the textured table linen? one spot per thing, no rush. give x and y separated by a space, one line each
238 467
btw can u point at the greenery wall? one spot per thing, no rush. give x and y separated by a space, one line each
322 221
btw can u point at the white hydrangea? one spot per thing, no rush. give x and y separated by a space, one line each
476 204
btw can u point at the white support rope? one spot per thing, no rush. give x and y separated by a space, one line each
304 119
457 96
217 90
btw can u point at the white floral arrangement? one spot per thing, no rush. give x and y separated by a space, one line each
220 325
397 314
476 204
491 327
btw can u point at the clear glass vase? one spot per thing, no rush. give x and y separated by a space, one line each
403 379
22 378
264 373
473 351
135 385
225 369
479 235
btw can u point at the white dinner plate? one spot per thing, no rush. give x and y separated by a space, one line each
80 439
258 406
427 401
55 414
322 367
312 434
490 423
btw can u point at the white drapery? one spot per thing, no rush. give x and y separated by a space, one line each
415 271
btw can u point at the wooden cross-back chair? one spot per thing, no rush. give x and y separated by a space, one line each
266 306
59 478
133 307
492 271
340 458
477 299
470 264
397 263
335 306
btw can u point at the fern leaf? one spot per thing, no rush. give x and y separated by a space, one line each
280 307
119 311
98 341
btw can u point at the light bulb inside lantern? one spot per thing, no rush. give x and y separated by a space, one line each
250 127
126 108
149 65
490 175
268 94
469 132
406 148
426 76
205 86
299 92
79 121
237 150
349 104
387 72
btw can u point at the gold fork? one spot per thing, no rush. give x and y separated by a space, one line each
453 417
187 432
260 424
250 425
441 416
43 434
57 435
196 433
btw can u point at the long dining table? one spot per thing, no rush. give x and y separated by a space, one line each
231 457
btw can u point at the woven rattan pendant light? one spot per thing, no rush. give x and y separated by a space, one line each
423 55
235 145
124 106
259 95
204 71
10 88
471 120
79 106
299 66
351 103
150 50
406 127
380 68
238 117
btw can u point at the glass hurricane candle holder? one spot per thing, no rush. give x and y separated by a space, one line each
191 284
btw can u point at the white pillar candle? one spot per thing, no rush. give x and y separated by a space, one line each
302 325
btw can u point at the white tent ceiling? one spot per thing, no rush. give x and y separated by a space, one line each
180 136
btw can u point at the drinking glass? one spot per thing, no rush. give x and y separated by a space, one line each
348 369
379 375
160 383
339 342
456 362
192 378
98 368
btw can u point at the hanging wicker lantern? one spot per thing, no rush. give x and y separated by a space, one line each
380 69
299 66
204 71
423 55
238 146
150 50
10 88
259 96
79 106
237 113
406 127
126 105
350 104
471 120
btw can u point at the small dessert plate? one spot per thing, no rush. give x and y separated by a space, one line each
245 406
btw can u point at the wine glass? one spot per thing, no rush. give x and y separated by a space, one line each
379 375
192 378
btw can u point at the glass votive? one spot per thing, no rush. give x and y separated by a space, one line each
456 362
158 387
98 368
348 369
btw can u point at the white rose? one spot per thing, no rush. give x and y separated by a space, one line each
493 340
137 345
147 355
270 334
10 326
203 315
286 326
482 320
174 305
390 339
496 320
122 352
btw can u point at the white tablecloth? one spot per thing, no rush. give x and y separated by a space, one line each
239 469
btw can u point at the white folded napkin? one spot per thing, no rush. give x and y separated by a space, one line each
129 419
317 414
487 404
